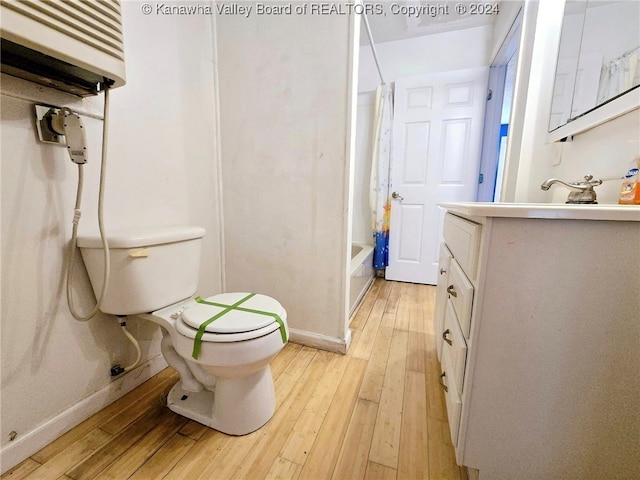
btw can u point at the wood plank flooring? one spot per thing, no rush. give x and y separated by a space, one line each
375 413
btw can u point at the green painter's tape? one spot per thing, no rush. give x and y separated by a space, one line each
197 344
283 331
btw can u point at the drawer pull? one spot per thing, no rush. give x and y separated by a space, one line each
444 336
442 271
444 374
451 291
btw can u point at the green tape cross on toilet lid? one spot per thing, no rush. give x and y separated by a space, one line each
234 312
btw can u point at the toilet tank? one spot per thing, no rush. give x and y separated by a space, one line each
150 268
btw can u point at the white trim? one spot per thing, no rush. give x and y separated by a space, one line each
216 82
26 444
348 181
489 160
491 134
540 37
615 108
323 342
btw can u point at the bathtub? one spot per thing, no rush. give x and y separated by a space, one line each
362 273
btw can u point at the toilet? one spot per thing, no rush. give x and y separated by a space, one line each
220 345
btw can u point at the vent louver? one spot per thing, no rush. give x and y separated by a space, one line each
72 45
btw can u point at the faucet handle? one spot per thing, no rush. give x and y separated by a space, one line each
588 181
586 194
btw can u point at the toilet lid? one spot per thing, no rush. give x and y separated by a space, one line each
237 313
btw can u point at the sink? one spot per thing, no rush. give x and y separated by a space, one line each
548 210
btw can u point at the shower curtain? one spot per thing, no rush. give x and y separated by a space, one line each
379 200
619 75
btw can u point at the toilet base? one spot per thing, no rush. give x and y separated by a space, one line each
237 406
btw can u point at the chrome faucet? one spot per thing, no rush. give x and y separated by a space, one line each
581 192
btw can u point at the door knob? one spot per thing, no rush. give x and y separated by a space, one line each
396 196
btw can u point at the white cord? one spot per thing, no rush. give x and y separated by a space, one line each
73 244
135 344
76 220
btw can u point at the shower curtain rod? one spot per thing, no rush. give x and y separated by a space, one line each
373 46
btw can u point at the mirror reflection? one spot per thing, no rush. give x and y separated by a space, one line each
599 56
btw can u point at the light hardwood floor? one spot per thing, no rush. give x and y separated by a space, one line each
376 413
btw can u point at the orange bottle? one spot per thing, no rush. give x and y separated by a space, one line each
630 188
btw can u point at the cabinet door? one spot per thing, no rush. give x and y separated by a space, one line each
454 342
452 398
441 296
460 292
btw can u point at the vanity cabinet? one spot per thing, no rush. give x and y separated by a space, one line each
538 334
454 298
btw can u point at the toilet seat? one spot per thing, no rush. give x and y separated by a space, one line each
189 332
235 324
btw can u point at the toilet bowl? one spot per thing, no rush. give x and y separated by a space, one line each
221 346
228 386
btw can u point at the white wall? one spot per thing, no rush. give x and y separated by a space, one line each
439 52
606 152
164 134
284 96
55 370
509 10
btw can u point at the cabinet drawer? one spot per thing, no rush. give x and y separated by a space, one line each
452 398
441 296
463 239
455 344
460 292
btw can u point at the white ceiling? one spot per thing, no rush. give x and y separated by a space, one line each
391 26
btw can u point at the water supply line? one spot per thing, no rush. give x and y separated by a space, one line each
117 369
69 124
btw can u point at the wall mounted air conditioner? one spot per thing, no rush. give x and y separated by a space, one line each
71 45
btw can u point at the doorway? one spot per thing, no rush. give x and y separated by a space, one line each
438 52
502 76
437 137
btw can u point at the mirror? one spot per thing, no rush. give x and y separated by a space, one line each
598 58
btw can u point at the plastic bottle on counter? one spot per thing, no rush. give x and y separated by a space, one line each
630 189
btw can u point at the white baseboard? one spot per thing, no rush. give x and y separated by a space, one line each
323 342
27 444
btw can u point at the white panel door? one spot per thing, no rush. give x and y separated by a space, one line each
575 89
585 94
562 93
437 134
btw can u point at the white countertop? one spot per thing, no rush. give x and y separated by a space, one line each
624 213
